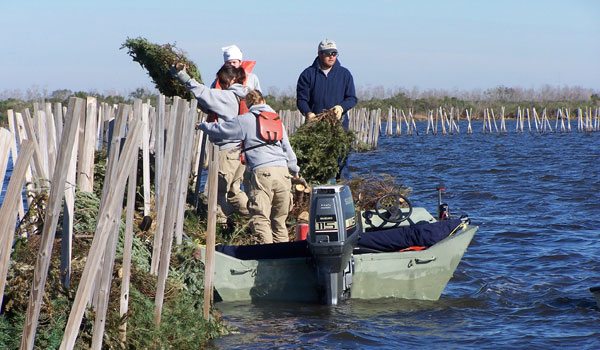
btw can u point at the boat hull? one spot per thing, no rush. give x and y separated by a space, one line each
421 275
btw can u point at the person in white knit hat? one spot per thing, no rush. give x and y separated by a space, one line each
232 55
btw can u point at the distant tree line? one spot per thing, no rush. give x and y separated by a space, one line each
420 101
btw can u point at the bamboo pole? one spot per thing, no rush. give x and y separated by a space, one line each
108 215
9 208
50 222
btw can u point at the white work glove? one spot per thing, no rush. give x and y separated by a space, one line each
338 111
310 116
180 73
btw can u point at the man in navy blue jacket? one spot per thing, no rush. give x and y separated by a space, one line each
325 85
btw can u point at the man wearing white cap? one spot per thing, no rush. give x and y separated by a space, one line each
326 85
232 55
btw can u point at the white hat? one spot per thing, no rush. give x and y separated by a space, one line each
231 52
327 45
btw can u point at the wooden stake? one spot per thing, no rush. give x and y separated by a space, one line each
68 212
85 171
50 222
127 248
109 214
169 225
144 113
164 191
211 228
8 210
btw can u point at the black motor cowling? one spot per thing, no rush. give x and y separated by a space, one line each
333 234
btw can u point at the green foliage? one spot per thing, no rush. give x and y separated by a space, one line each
14 104
157 60
319 146
281 102
142 94
182 326
85 212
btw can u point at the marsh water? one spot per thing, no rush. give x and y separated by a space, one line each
522 284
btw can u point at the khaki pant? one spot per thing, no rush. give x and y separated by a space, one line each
270 201
230 197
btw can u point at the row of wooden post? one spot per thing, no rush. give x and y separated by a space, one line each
65 150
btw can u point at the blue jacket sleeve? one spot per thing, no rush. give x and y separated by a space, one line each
350 99
303 92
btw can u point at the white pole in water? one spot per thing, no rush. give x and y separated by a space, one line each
434 127
494 118
469 127
484 120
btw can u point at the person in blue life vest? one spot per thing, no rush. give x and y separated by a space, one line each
273 164
232 55
224 104
325 85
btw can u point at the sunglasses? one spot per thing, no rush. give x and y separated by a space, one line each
332 53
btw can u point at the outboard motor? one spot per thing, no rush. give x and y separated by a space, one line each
333 234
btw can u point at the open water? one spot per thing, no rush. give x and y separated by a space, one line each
522 284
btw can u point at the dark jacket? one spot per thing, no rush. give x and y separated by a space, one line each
317 92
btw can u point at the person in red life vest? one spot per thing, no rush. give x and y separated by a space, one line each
325 85
232 55
225 105
272 161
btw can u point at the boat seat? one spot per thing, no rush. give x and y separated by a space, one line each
419 215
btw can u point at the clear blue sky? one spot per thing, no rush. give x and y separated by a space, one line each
464 45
